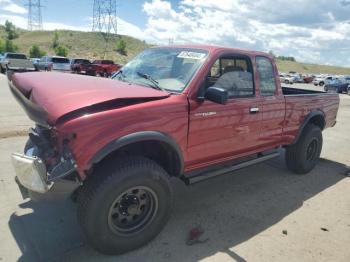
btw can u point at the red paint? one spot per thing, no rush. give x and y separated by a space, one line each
106 68
230 133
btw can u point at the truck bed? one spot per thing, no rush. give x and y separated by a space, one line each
298 91
301 102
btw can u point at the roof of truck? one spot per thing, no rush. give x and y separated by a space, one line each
213 48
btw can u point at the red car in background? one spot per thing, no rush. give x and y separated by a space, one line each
308 79
106 67
84 66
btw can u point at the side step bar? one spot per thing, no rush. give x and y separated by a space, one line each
226 169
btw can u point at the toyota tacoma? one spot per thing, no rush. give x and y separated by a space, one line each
191 112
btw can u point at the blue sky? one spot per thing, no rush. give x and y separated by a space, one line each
312 31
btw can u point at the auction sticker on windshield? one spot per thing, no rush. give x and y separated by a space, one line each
191 55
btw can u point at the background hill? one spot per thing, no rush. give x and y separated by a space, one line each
80 44
91 45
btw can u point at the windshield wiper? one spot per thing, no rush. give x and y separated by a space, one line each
120 72
152 80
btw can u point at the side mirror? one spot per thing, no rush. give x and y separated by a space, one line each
216 95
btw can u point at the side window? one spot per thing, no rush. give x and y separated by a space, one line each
233 73
266 76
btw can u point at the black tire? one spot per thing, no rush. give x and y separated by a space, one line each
97 198
302 157
321 83
3 70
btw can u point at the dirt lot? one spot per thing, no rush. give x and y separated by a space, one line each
262 213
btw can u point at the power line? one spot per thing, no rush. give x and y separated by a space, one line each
34 15
105 17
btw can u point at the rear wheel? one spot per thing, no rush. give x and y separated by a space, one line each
3 70
124 205
302 157
321 83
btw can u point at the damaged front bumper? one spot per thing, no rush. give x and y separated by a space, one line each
32 174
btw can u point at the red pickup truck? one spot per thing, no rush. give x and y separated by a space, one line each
106 67
191 112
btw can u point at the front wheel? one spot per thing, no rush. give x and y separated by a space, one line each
302 157
124 205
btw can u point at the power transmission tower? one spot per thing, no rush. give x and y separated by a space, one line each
34 15
105 19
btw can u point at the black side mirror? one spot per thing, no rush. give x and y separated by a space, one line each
216 95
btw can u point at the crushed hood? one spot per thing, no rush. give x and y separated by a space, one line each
58 94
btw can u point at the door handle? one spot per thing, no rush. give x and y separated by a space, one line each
254 110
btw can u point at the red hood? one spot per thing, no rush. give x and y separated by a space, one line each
59 94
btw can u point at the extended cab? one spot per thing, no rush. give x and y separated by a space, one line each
15 62
190 112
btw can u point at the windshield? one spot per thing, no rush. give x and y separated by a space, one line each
60 60
16 56
168 68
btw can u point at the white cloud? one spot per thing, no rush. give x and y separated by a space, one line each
124 27
310 31
9 6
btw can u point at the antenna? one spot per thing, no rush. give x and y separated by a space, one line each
34 15
105 19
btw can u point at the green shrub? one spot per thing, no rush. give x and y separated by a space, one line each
35 51
55 39
2 46
61 50
10 46
11 30
121 46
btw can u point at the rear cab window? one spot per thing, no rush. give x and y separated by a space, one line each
107 62
60 60
266 75
16 56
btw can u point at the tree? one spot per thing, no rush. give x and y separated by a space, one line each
121 46
272 53
10 46
61 50
10 30
2 46
35 51
55 39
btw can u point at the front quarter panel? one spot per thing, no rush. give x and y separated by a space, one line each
94 131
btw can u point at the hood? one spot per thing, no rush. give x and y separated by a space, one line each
58 94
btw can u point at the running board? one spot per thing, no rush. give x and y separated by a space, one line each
210 174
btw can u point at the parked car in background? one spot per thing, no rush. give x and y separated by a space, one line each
322 80
287 79
35 62
84 66
15 62
298 78
337 86
54 63
106 67
308 79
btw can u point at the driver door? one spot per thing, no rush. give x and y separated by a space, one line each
224 132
